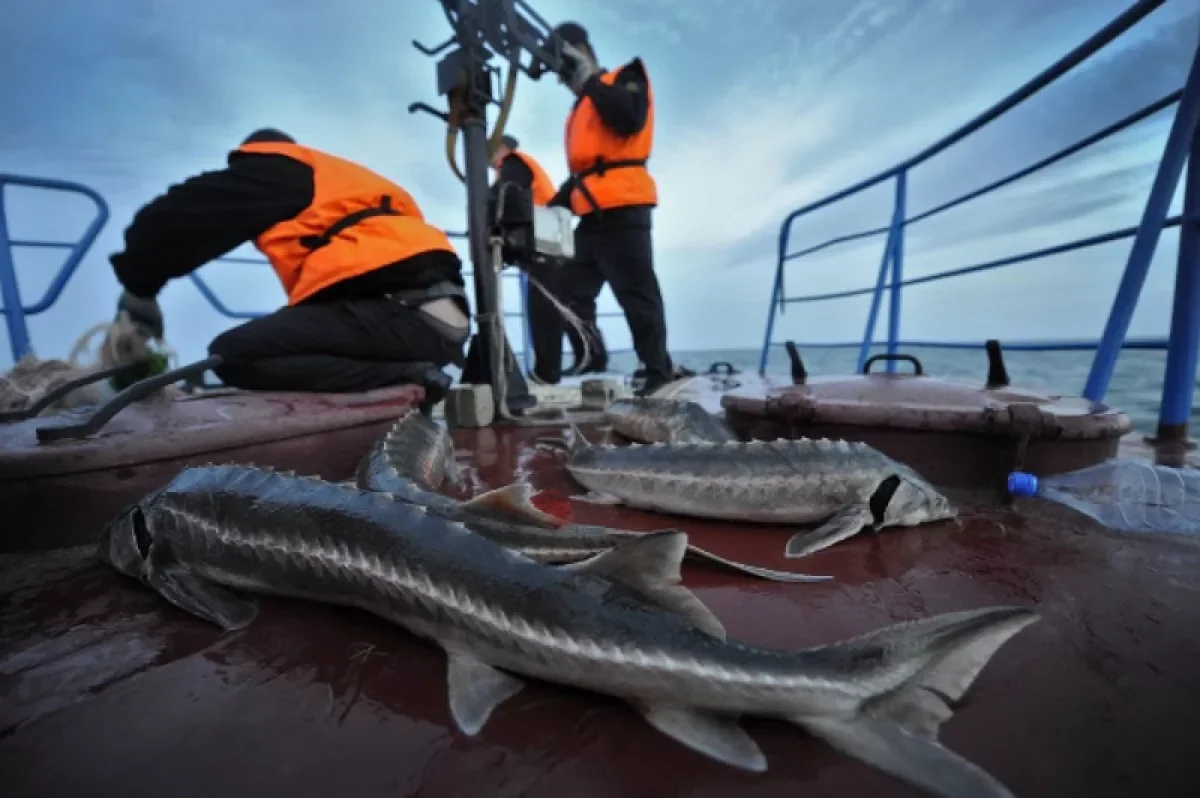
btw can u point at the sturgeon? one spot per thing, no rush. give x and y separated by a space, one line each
653 419
424 446
507 516
845 486
619 623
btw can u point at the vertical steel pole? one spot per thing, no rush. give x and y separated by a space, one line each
1142 253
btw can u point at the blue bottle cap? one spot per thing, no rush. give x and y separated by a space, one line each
1022 484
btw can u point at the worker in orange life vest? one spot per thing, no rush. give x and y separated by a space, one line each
609 136
514 166
375 294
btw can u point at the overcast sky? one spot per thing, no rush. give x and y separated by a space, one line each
762 106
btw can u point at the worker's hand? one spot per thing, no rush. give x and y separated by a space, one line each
143 312
578 66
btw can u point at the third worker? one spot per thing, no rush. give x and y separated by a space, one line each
609 137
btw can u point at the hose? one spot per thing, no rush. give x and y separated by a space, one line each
458 108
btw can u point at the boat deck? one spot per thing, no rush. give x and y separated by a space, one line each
109 690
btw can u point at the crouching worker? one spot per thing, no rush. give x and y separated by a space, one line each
515 167
375 294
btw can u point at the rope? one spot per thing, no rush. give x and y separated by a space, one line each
31 377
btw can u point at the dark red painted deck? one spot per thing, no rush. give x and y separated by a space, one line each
61 493
105 689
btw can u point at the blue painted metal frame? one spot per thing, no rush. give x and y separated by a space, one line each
14 310
1182 345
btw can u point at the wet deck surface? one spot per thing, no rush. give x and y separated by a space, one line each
105 689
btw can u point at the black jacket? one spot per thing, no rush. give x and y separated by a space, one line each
213 213
623 108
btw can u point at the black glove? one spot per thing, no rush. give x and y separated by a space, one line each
577 68
145 313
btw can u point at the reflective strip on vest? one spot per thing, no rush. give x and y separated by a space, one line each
357 222
542 187
608 170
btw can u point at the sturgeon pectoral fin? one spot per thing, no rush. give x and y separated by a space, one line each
203 598
913 757
513 502
476 689
716 736
845 523
649 565
701 555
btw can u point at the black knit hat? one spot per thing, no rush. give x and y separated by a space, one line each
572 33
509 141
265 134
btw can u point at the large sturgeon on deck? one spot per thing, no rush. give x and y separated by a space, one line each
618 624
407 461
849 486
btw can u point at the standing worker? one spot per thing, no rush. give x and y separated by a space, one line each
516 167
609 137
375 294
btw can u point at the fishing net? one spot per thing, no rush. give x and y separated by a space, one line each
121 341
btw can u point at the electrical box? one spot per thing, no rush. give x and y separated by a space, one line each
553 234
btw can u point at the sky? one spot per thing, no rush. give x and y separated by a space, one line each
762 106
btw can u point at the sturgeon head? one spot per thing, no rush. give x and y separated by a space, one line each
126 541
902 498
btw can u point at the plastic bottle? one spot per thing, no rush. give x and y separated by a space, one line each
1123 494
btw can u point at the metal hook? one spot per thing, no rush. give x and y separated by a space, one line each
429 109
435 50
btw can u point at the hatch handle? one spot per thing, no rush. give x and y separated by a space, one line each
917 369
799 373
722 367
50 397
139 390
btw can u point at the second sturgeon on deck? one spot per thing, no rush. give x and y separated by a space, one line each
618 624
849 486
401 462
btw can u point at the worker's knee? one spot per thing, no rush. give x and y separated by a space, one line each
231 346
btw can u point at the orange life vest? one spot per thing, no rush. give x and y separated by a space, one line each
358 222
609 171
543 186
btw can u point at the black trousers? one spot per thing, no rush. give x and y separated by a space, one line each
339 346
618 250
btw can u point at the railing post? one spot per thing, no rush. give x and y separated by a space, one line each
1179 382
899 221
776 300
1140 255
10 293
526 355
864 350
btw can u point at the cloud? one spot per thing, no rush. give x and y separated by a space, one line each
762 106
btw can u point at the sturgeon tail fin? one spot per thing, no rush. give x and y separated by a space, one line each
896 731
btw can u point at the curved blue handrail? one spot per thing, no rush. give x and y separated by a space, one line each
13 308
1182 345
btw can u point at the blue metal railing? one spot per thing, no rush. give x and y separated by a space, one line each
1182 345
14 310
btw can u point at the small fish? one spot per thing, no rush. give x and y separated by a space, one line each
507 515
652 419
618 623
423 446
848 486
